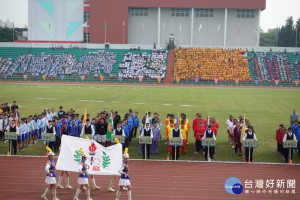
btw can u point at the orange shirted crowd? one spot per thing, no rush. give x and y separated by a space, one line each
211 63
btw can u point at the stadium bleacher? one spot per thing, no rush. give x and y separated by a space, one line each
114 65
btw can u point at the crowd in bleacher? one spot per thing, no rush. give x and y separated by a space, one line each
144 65
268 67
99 62
211 63
4 64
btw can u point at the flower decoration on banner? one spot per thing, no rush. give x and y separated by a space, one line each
62 77
82 78
216 80
296 82
256 82
276 82
25 77
44 77
5 76
120 78
177 80
237 81
101 77
158 79
196 80
141 79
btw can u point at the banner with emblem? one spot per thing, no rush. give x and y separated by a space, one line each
101 160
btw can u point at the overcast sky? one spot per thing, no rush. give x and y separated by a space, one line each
273 16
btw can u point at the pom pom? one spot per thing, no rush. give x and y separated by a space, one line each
117 141
126 151
48 149
80 151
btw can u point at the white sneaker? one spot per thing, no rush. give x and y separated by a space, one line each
60 186
69 187
55 198
96 187
75 198
44 197
111 189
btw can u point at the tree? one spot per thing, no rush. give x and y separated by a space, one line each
269 38
7 34
298 32
286 35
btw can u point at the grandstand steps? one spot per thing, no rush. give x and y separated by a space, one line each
169 76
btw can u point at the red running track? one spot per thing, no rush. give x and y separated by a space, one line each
23 178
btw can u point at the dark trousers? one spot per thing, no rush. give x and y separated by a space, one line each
14 147
52 146
198 145
211 152
57 143
177 152
279 147
130 135
147 150
286 154
134 130
247 154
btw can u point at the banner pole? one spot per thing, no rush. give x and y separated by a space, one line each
249 156
145 152
10 147
175 152
290 155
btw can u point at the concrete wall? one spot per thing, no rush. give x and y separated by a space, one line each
55 20
143 29
248 26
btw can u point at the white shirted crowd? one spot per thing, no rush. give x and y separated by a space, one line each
99 62
143 65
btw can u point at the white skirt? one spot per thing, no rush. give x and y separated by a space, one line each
83 181
50 180
124 182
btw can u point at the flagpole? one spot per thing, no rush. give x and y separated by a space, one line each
105 31
13 31
296 35
123 34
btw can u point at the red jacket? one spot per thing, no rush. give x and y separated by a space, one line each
215 130
195 124
278 135
217 125
200 133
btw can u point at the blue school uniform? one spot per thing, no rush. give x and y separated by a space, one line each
136 121
73 130
126 131
84 173
52 168
57 129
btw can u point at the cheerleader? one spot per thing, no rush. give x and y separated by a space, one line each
68 186
83 177
124 179
50 178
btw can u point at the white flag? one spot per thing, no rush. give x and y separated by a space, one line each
219 26
200 27
101 160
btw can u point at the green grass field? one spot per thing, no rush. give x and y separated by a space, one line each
265 108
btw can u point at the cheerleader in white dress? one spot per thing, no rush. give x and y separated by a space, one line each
124 179
83 180
51 176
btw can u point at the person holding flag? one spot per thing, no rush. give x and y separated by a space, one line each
13 127
124 179
83 177
110 130
51 176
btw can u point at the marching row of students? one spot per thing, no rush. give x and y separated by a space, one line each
283 134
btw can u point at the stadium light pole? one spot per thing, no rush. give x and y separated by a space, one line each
225 27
